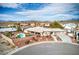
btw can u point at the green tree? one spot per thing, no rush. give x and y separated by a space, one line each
56 25
19 27
8 34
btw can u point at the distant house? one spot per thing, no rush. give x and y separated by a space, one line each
10 25
24 24
47 24
70 27
32 24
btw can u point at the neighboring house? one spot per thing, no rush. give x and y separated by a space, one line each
43 30
70 27
10 25
47 24
77 35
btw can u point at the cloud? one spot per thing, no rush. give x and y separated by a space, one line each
50 9
6 17
9 5
50 12
12 17
33 6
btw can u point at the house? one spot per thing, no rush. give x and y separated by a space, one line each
47 24
70 27
43 30
77 35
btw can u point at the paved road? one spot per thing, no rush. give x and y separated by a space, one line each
50 49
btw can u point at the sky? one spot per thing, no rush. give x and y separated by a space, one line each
39 11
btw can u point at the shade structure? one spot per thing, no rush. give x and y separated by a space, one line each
7 29
48 48
21 35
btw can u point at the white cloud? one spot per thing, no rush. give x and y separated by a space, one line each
50 12
10 5
63 17
5 15
12 17
51 9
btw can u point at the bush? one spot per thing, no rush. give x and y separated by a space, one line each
56 25
8 34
